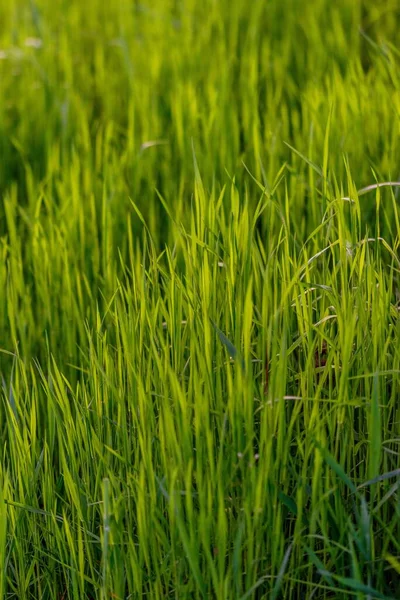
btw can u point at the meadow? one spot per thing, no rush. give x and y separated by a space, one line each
199 300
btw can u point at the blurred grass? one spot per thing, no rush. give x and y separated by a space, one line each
199 332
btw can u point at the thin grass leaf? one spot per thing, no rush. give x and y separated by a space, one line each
310 163
282 570
375 431
228 345
383 477
336 467
353 584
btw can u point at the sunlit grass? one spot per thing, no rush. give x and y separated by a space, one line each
199 300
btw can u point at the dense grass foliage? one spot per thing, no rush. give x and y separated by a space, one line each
199 301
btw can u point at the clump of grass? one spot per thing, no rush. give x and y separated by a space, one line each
199 322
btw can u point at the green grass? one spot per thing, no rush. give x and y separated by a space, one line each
199 313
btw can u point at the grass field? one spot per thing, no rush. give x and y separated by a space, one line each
199 299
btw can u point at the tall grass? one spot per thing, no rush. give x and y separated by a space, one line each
199 313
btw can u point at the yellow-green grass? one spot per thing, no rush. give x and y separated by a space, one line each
199 313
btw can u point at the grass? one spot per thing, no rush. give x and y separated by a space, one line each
199 313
